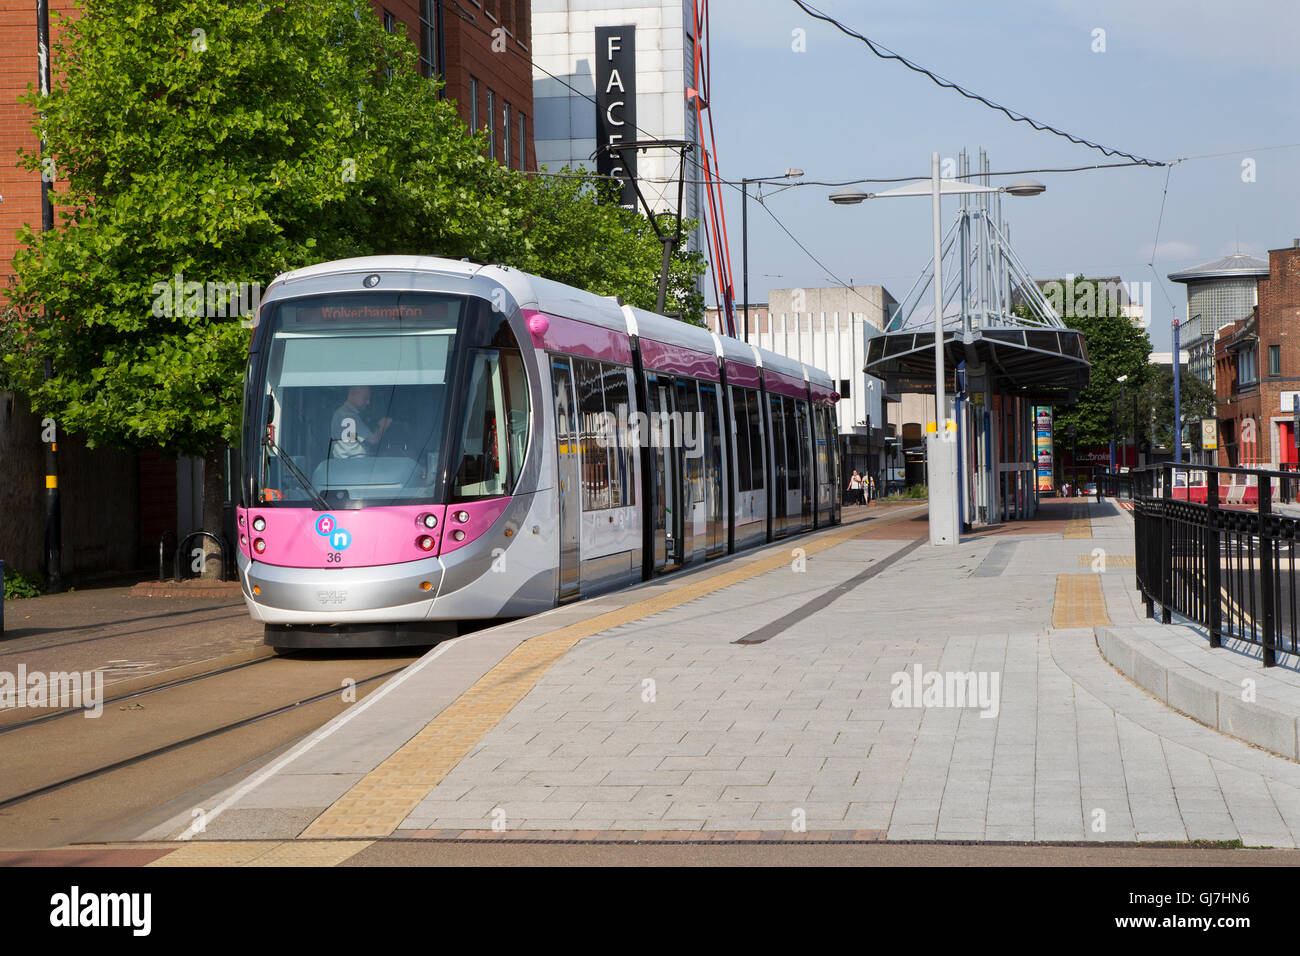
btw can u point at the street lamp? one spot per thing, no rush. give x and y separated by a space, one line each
943 519
744 231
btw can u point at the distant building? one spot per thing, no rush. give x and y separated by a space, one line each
645 63
881 434
1257 360
1219 293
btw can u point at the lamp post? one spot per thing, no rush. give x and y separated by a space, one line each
943 518
1123 400
744 233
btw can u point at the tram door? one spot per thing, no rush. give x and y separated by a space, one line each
710 448
568 486
666 511
691 485
777 447
804 433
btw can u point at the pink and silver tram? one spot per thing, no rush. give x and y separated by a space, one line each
428 441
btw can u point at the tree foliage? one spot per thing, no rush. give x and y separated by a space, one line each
1156 405
227 143
1117 346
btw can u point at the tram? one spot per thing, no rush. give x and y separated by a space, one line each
429 441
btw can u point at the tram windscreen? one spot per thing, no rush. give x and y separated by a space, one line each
355 399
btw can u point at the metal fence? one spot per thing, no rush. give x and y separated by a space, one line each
1113 484
1218 546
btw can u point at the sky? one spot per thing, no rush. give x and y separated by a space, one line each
1177 78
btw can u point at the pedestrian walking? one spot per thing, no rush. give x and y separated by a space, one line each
871 488
855 488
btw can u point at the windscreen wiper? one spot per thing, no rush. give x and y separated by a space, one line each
307 486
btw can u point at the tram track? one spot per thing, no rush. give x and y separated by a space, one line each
68 777
6 803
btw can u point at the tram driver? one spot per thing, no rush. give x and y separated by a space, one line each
350 436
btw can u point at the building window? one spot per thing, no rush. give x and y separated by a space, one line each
523 140
428 37
844 388
492 123
473 104
1247 368
505 132
390 22
1275 360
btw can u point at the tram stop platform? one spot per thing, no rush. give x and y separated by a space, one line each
851 685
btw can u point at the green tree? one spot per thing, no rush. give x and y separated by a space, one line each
1156 404
227 144
1117 346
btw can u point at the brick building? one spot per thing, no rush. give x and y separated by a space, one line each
117 504
1257 366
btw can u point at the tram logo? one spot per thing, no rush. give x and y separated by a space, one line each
327 527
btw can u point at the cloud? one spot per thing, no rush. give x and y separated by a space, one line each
1171 250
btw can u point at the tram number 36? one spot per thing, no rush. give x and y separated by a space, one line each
334 557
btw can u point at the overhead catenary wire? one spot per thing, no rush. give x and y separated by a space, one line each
886 54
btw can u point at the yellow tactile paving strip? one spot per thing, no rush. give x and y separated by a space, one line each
379 802
1078 528
1112 560
263 853
1079 602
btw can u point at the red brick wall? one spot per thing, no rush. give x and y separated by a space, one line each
467 48
18 69
1278 324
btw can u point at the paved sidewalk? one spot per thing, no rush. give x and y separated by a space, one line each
644 720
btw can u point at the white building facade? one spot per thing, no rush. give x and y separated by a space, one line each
639 73
828 328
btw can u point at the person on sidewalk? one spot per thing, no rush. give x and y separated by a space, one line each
855 488
871 489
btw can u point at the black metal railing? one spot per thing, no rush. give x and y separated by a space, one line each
1218 547
1113 484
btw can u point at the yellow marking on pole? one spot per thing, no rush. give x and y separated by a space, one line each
1079 602
51 481
379 802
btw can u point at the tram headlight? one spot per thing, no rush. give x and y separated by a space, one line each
429 521
259 523
259 545
458 535
462 516
424 542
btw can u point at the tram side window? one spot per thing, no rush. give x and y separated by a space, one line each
740 428
754 412
591 422
622 456
792 449
494 434
608 462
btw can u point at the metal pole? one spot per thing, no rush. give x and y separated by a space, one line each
1178 399
53 530
943 498
938 293
744 249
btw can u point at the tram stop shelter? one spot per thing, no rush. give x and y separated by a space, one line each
1005 351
